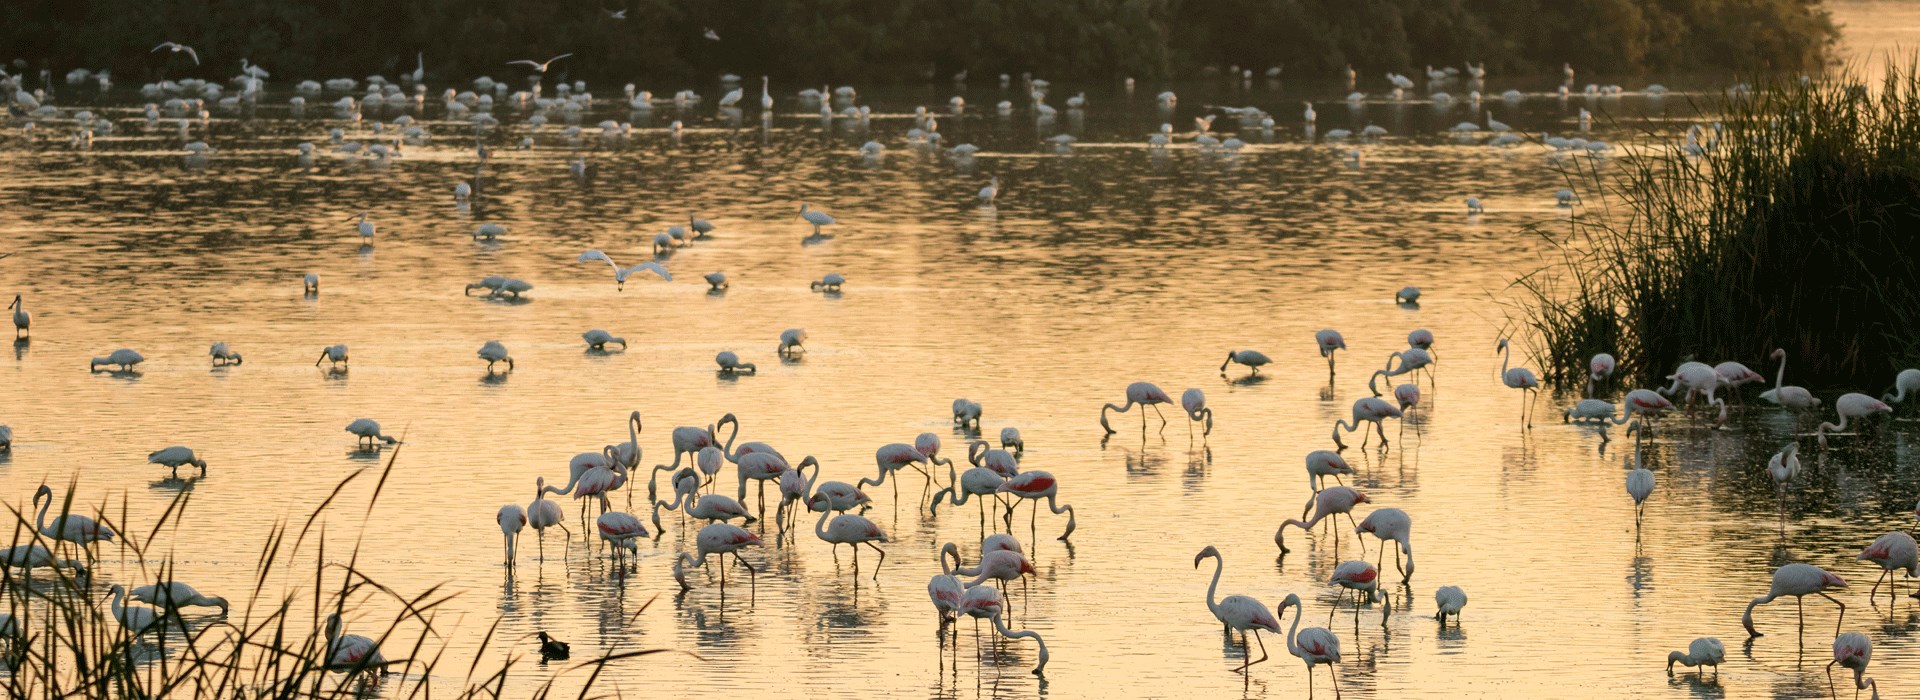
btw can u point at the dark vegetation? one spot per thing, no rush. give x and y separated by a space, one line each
910 40
271 645
1798 227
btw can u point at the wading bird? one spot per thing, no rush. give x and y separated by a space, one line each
1329 502
22 320
1793 397
1329 340
1142 394
853 530
1850 407
1313 645
815 217
1519 378
175 457
492 351
1253 359
1392 525
1194 402
597 339
1852 651
1703 652
351 653
511 520
792 341
173 595
721 539
1448 600
333 355
68 527
1368 409
1639 486
223 355
543 514
620 530
1033 486
137 620
1799 581
368 430
1237 612
1892 551
125 358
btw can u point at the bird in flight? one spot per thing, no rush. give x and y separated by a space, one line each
177 48
539 67
712 35
616 14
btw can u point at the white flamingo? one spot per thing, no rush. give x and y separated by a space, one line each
1368 409
1519 378
1313 645
1793 397
1141 394
1237 612
1851 407
1799 581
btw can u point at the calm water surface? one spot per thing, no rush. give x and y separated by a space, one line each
1099 267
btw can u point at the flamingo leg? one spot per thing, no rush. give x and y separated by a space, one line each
883 559
1876 584
1843 612
1156 411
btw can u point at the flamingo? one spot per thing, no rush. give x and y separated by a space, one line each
368 430
137 620
1034 486
1448 600
1799 581
351 652
1599 369
1313 645
1325 463
1645 402
1253 359
1010 438
988 603
890 458
492 351
1793 397
223 355
1908 381
763 467
929 444
126 358
543 514
730 363
334 355
716 281
979 483
620 274
1143 394
687 441
68 527
966 413
1357 575
512 520
175 457
1000 461
815 217
1783 466
1698 378
1639 486
1852 651
1001 565
712 507
1237 612
620 530
598 480
1329 341
22 320
1369 409
1734 375
791 341
852 530
1195 404
35 556
1411 360
1392 524
945 591
722 539
1519 378
1702 652
1851 406
597 339
173 595
1420 338
1892 551
1330 501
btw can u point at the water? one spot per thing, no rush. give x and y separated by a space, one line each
1098 268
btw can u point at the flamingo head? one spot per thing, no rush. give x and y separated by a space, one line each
1210 551
1828 580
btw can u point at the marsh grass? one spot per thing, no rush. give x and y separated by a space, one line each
272 644
1794 227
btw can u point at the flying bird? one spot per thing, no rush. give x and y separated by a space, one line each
711 35
177 48
538 67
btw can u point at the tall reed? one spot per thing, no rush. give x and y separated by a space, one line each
68 644
1791 224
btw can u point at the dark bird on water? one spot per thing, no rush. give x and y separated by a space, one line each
551 648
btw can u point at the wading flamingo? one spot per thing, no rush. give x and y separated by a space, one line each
1009 440
978 483
929 444
1851 407
543 514
1237 612
1599 369
1034 486
1142 394
1519 378
722 539
1329 340
1330 501
138 620
68 526
852 530
966 413
1907 382
1703 652
1411 360
620 530
511 519
711 507
687 442
1314 645
1002 565
1793 397
1448 600
1799 581
1892 551
892 457
1639 486
1325 463
986 602
1852 651
1356 575
1194 402
352 653
1391 524
1369 409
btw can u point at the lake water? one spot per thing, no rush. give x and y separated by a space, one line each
1105 265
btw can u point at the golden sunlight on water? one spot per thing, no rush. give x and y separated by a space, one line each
1100 267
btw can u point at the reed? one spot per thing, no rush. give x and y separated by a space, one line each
272 643
1792 225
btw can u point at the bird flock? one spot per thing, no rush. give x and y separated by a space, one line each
996 480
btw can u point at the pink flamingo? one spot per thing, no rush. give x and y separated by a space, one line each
999 460
1391 524
1314 645
982 602
1851 407
762 467
1329 340
979 483
68 527
1411 360
893 457
852 530
620 530
1734 375
1852 651
1799 581
711 507
945 592
1194 402
929 445
1142 394
1892 551
794 488
687 441
1329 502
1519 378
1034 486
709 460
600 480
512 520
722 539
1792 397
628 453
1421 338
1370 409
1237 612
1000 565
1407 395
351 652
1357 575
543 514
1010 440
1321 464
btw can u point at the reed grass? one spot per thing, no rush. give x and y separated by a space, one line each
1793 227
271 645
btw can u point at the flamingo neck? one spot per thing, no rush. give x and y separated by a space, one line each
1218 566
820 526
1293 647
1780 377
